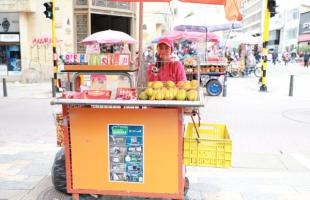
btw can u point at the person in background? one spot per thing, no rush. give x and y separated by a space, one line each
274 57
148 55
293 56
165 68
306 59
286 58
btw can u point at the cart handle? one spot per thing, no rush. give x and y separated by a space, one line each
194 113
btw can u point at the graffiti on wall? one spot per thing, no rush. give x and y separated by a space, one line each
43 41
42 51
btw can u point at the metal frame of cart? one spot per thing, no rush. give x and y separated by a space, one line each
86 146
88 152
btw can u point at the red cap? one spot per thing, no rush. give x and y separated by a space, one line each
165 40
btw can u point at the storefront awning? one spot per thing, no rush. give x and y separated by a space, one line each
304 38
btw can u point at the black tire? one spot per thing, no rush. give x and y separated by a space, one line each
214 87
59 178
186 186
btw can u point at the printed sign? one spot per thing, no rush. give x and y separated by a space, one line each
126 160
109 59
9 22
304 26
93 48
9 38
124 59
75 58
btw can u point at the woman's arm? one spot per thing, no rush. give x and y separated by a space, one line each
150 75
180 72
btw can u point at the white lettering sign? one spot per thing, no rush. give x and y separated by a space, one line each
9 38
306 25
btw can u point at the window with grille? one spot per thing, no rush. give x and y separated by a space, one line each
81 32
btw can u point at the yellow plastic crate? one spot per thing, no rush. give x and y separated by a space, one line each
212 149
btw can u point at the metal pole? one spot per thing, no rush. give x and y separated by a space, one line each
53 88
224 85
140 80
5 92
291 86
54 44
263 87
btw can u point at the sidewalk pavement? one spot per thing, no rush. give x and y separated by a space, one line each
271 152
27 90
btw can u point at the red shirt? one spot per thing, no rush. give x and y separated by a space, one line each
171 71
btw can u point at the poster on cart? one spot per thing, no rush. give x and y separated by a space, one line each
126 157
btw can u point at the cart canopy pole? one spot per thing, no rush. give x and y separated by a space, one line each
140 63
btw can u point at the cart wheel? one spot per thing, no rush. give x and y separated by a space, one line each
186 186
214 87
58 173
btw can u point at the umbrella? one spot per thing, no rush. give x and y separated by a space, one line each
108 37
195 33
155 40
223 27
246 39
190 28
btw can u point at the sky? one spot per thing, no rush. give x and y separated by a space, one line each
212 14
202 14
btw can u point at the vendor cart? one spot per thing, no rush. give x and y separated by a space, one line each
126 147
212 74
123 147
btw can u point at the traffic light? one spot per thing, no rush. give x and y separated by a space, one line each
48 10
272 5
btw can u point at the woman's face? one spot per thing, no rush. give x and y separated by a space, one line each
164 52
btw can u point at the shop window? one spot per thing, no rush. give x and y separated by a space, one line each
10 62
291 33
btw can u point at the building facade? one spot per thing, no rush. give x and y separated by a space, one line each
158 20
304 32
253 17
25 32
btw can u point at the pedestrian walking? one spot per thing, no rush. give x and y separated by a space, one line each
274 57
306 59
286 58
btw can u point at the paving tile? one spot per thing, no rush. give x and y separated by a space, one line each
12 194
36 170
27 183
5 166
260 196
222 196
257 161
7 158
193 194
11 177
291 164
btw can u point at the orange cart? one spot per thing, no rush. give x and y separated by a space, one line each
124 147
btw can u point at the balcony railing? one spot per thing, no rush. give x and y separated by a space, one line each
111 4
18 5
105 4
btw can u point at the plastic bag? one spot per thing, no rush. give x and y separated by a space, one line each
59 178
